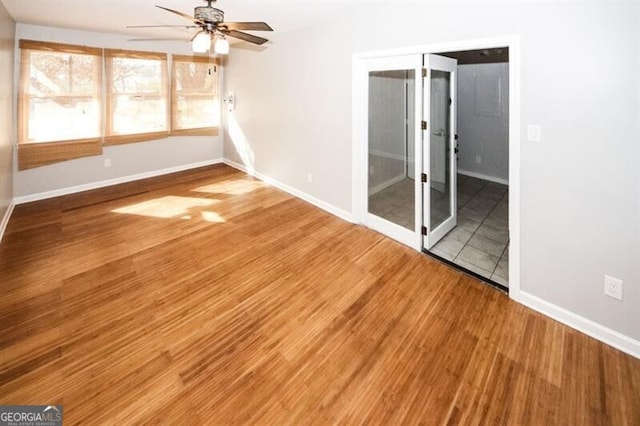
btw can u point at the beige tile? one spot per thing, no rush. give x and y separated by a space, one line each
505 255
473 214
473 268
487 245
495 233
478 258
442 254
502 270
459 234
497 220
450 246
468 224
500 280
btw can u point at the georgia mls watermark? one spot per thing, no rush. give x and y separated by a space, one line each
30 415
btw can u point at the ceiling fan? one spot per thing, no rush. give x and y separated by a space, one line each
210 22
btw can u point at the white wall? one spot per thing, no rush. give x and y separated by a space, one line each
126 160
580 202
7 122
293 113
483 119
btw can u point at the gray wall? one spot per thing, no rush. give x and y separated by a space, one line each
126 160
580 75
483 119
7 121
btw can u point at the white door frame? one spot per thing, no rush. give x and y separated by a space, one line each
359 110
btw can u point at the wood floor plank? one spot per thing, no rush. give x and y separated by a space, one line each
208 297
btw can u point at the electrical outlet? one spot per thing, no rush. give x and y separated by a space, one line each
478 159
613 287
309 178
533 133
107 162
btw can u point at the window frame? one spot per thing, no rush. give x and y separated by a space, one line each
34 154
111 138
196 131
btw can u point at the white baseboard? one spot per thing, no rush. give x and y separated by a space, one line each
384 185
330 208
590 328
103 183
5 218
388 155
484 177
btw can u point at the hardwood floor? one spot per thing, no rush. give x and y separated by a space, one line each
208 297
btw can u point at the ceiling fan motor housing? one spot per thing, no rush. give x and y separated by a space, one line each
208 14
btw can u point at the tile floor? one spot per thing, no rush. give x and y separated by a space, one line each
395 203
480 241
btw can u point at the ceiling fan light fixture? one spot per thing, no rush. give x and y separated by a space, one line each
201 42
222 46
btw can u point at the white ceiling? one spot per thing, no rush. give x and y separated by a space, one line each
113 16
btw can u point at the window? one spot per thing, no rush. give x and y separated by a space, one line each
136 96
195 107
59 103
62 102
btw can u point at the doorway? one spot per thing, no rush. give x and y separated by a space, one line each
448 195
479 242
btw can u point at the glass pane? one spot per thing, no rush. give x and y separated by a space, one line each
391 131
62 97
139 114
64 118
132 75
196 98
195 78
53 73
440 126
196 112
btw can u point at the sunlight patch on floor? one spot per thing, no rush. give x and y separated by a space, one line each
212 217
167 207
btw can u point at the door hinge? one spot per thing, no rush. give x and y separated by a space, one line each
424 178
425 72
424 230
424 125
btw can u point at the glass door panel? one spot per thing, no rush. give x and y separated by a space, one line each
439 193
391 146
440 186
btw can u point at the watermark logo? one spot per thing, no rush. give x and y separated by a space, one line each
30 415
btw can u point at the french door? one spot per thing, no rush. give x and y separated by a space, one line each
439 154
409 131
392 157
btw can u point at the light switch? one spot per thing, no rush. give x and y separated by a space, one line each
533 133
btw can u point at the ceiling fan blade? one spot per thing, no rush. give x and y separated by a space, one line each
162 26
184 15
251 26
157 39
246 37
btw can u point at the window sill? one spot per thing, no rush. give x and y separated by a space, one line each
138 137
203 131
